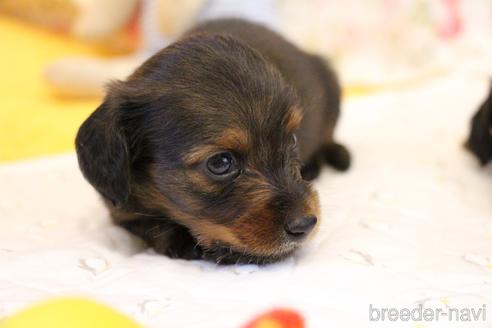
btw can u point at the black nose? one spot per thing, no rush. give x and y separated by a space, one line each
299 228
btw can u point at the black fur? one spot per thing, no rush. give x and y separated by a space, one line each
480 139
103 154
223 77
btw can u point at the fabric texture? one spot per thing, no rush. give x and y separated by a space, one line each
409 224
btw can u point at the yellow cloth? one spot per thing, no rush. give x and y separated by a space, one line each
34 121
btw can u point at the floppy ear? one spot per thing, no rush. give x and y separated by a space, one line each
103 157
480 140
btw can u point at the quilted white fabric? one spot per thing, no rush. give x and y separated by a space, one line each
410 224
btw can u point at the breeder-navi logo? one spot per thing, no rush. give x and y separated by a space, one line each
428 314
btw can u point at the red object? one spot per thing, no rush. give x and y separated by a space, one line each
279 318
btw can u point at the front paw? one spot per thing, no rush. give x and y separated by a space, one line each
165 237
183 246
311 170
337 156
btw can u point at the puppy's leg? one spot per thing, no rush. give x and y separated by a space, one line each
312 168
165 237
337 156
334 154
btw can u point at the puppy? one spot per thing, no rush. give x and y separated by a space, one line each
205 151
480 139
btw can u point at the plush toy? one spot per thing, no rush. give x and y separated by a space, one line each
373 44
159 23
108 22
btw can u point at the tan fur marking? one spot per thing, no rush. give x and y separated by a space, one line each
209 232
311 205
230 139
199 154
293 120
259 232
200 180
233 138
206 231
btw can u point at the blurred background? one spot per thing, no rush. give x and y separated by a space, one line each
58 54
409 225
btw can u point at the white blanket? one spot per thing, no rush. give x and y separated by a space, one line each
409 224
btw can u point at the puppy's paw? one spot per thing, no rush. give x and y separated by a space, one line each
337 156
311 170
183 246
166 237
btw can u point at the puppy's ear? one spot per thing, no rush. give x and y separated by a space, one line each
480 140
102 153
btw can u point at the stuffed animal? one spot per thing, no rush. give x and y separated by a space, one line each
90 20
159 23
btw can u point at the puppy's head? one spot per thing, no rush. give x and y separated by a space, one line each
204 133
480 139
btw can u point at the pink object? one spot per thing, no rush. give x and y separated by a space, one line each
452 24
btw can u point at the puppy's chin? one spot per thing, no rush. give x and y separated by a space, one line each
224 254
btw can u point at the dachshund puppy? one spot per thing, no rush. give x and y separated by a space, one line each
480 139
205 151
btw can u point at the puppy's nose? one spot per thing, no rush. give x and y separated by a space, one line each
299 228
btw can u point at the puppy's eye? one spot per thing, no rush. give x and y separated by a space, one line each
222 164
